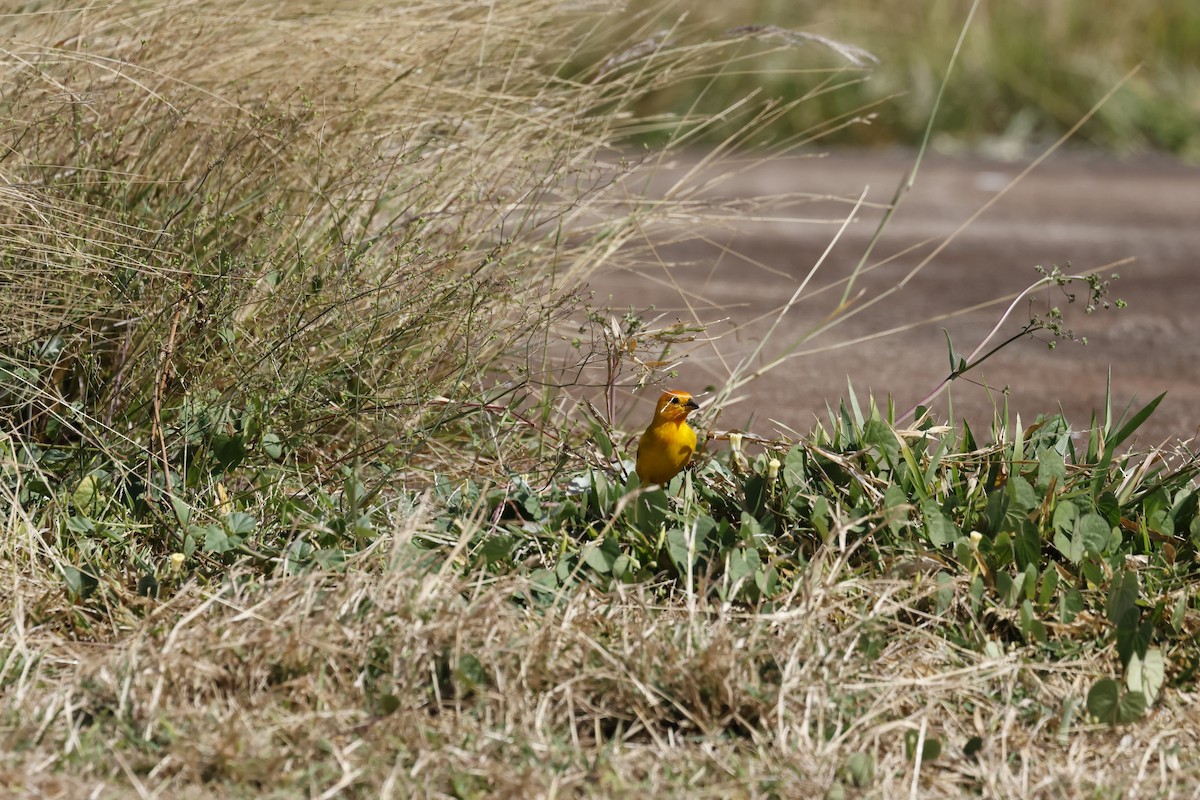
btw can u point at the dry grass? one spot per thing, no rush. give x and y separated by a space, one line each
217 202
383 681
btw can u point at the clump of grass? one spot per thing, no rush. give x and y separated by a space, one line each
254 258
311 252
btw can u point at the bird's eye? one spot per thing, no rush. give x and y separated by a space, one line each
675 400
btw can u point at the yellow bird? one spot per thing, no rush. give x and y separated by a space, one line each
668 444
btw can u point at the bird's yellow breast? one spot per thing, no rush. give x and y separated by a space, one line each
668 444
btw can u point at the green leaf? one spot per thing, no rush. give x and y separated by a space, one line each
1031 626
678 550
1133 635
1066 719
147 585
601 493
1071 546
1048 587
1051 467
1022 497
742 564
1091 531
543 580
894 502
1005 588
1001 550
994 512
1179 613
767 581
79 583
228 451
795 467
751 530
215 539
1107 703
756 492
1109 507
240 523
388 704
272 445
858 414
648 511
1123 595
934 466
939 529
533 506
601 440
876 432
87 497
496 548
1131 707
1135 422
183 512
363 527
1065 515
189 541
1027 544
955 361
1146 675
976 591
1070 605
1102 700
931 748
81 525
820 517
600 556
1030 586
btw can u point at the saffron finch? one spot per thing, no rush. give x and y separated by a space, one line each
667 445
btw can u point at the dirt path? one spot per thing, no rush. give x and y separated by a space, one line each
1086 210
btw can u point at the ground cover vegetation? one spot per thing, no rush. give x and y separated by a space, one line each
316 481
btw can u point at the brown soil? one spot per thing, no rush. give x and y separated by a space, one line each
1085 210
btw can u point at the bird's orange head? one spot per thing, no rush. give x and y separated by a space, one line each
674 406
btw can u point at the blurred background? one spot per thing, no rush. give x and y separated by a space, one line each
815 106
1028 70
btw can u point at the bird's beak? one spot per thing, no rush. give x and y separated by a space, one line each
690 404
